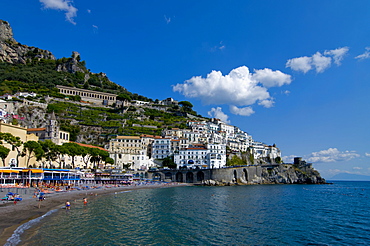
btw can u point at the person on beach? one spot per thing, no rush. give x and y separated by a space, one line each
68 205
85 201
41 198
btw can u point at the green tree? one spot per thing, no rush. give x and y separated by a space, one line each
86 155
278 159
60 152
15 142
123 97
73 130
32 149
251 158
50 151
4 152
15 122
73 150
235 161
109 160
186 106
98 155
169 162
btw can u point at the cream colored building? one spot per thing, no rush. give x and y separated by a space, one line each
96 97
20 132
130 150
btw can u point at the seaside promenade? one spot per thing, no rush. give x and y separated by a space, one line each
13 215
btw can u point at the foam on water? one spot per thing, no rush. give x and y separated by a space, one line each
16 237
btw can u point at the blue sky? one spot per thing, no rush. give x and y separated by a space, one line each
293 73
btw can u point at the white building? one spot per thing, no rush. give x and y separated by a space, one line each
161 148
130 150
169 101
216 155
193 137
212 127
209 156
192 157
273 152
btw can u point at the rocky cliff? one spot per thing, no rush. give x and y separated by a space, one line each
291 174
13 52
264 174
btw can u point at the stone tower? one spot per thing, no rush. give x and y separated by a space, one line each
52 129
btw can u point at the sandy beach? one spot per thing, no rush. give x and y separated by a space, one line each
13 215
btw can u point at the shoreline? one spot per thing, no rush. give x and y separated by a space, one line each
14 215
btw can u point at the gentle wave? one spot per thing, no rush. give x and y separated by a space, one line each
15 239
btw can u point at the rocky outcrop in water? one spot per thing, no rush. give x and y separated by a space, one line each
291 174
264 174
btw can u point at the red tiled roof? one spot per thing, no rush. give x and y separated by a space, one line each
89 146
36 129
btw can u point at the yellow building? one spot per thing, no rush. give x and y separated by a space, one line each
21 132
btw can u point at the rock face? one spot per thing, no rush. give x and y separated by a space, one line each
291 174
71 65
263 174
13 52
6 32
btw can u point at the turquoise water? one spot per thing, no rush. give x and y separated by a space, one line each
336 214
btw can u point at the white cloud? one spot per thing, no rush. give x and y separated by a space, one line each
63 5
247 111
89 11
288 158
239 87
217 113
367 154
267 103
365 55
270 78
331 155
303 64
318 61
357 168
338 54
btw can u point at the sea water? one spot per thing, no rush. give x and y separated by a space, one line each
336 214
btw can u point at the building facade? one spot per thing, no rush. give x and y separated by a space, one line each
14 159
95 97
131 152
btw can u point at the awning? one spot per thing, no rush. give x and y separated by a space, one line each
33 170
9 171
37 171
